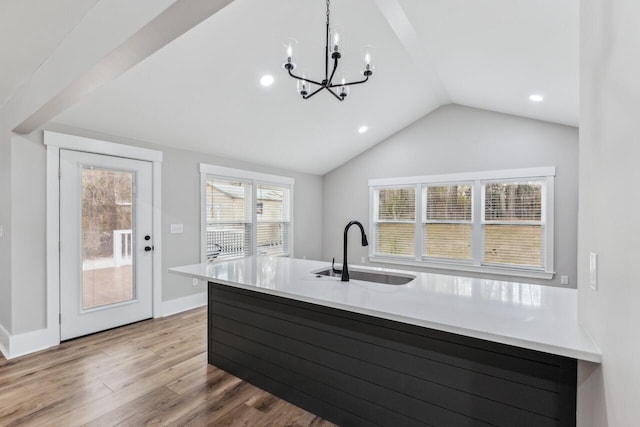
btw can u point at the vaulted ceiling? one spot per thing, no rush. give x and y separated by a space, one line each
202 91
30 30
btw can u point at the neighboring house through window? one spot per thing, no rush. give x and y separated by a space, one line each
496 221
245 213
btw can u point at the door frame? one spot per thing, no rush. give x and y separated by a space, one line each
54 142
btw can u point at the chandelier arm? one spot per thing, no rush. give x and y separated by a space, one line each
304 79
334 94
313 93
335 67
350 84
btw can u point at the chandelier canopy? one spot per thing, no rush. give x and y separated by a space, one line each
307 87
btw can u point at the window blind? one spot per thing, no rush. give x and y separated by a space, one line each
499 222
394 218
447 217
273 222
513 225
228 218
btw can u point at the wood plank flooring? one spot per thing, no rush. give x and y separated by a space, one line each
149 373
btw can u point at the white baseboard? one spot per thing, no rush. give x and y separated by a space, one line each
179 305
13 346
5 339
33 341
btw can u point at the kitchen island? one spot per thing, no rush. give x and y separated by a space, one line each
440 350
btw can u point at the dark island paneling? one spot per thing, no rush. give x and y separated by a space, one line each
361 370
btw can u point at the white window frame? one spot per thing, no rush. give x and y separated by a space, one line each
476 180
253 178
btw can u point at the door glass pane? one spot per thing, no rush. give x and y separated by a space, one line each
107 244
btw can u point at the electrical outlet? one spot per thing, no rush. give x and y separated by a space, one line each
593 271
564 280
362 261
195 282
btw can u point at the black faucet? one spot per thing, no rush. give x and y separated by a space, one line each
345 267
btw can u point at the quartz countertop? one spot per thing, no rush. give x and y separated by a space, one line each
536 317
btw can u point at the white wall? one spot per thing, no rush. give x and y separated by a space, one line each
180 204
609 210
458 139
5 221
28 225
181 193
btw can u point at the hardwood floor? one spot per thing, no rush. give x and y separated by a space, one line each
150 373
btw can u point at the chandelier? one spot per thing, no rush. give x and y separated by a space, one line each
307 87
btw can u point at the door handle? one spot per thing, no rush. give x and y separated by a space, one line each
149 248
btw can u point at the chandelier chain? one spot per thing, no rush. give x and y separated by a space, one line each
327 12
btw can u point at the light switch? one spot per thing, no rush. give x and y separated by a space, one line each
593 271
1 231
177 228
564 280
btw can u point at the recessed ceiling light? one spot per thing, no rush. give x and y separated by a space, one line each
266 80
536 97
363 129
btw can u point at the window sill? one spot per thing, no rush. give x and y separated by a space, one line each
514 272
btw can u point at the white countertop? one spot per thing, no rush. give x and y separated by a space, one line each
536 317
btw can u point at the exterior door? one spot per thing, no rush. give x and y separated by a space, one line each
106 246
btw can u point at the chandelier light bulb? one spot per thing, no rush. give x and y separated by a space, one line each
303 86
344 90
290 46
337 41
369 52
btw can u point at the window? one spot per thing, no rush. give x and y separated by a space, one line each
272 210
394 219
447 221
228 229
245 213
497 221
512 223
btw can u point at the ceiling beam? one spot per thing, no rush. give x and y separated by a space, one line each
397 18
78 67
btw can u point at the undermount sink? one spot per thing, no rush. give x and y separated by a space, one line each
371 276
